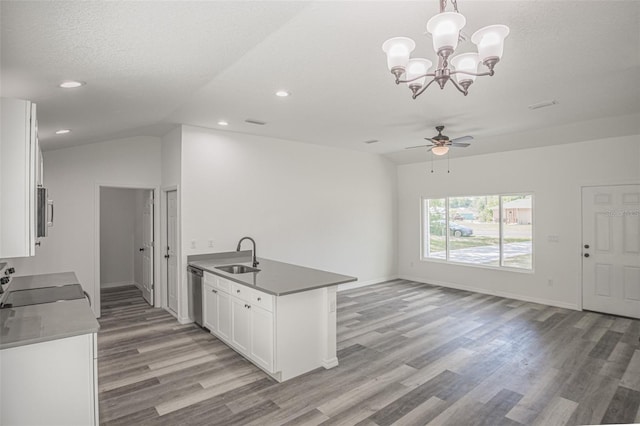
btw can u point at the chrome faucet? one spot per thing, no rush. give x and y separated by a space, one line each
255 261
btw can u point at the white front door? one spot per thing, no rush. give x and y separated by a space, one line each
147 247
171 250
611 249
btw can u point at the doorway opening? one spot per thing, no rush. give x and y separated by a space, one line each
126 253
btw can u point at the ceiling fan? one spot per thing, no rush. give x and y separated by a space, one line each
440 143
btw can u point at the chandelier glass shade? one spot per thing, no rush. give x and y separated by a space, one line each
445 31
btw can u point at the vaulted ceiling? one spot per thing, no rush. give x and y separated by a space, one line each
149 65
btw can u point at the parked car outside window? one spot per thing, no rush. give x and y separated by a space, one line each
455 229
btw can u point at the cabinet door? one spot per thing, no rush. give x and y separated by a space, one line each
18 154
262 337
210 308
224 315
48 383
240 325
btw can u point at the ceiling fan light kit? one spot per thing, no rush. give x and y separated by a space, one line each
440 143
440 150
445 30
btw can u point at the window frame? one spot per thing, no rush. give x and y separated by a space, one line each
424 235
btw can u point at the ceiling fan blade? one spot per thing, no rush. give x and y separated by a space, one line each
462 139
461 145
417 146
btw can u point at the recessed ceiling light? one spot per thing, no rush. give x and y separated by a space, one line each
71 84
223 123
282 93
62 131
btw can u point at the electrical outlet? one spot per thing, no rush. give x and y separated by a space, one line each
193 244
550 282
411 264
210 243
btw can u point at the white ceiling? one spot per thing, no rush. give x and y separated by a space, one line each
150 65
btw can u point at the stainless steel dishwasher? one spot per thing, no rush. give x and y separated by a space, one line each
195 294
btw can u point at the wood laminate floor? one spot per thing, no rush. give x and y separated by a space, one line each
409 354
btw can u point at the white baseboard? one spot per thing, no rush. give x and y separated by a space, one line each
330 363
505 294
179 319
118 284
358 284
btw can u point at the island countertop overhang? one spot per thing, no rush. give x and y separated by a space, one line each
274 277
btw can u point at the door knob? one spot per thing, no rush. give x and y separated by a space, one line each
166 256
586 246
586 255
141 249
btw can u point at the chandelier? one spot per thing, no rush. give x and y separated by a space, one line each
445 30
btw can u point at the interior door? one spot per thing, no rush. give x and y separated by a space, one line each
611 249
147 247
171 254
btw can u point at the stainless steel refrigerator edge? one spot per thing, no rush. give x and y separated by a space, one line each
195 294
44 212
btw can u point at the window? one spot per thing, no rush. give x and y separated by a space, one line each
489 230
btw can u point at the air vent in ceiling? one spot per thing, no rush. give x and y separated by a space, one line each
250 121
543 104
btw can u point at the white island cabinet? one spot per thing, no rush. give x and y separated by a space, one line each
285 335
50 383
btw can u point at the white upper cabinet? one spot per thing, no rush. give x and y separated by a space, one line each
20 171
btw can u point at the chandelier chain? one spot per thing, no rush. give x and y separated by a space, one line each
443 5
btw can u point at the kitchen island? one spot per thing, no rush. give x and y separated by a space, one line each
281 317
48 353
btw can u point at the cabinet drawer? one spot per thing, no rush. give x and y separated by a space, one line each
209 278
241 292
208 287
224 284
264 300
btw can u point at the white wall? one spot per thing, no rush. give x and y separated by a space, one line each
72 176
555 176
303 204
171 157
117 235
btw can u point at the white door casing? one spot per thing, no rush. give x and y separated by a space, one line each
611 249
147 248
171 256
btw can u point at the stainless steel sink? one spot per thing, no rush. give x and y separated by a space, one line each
237 269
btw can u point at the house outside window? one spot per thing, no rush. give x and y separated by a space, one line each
488 230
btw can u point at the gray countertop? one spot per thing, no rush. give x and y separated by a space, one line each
43 280
277 278
25 325
49 321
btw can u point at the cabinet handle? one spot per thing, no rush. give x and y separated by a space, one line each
214 291
259 299
248 306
